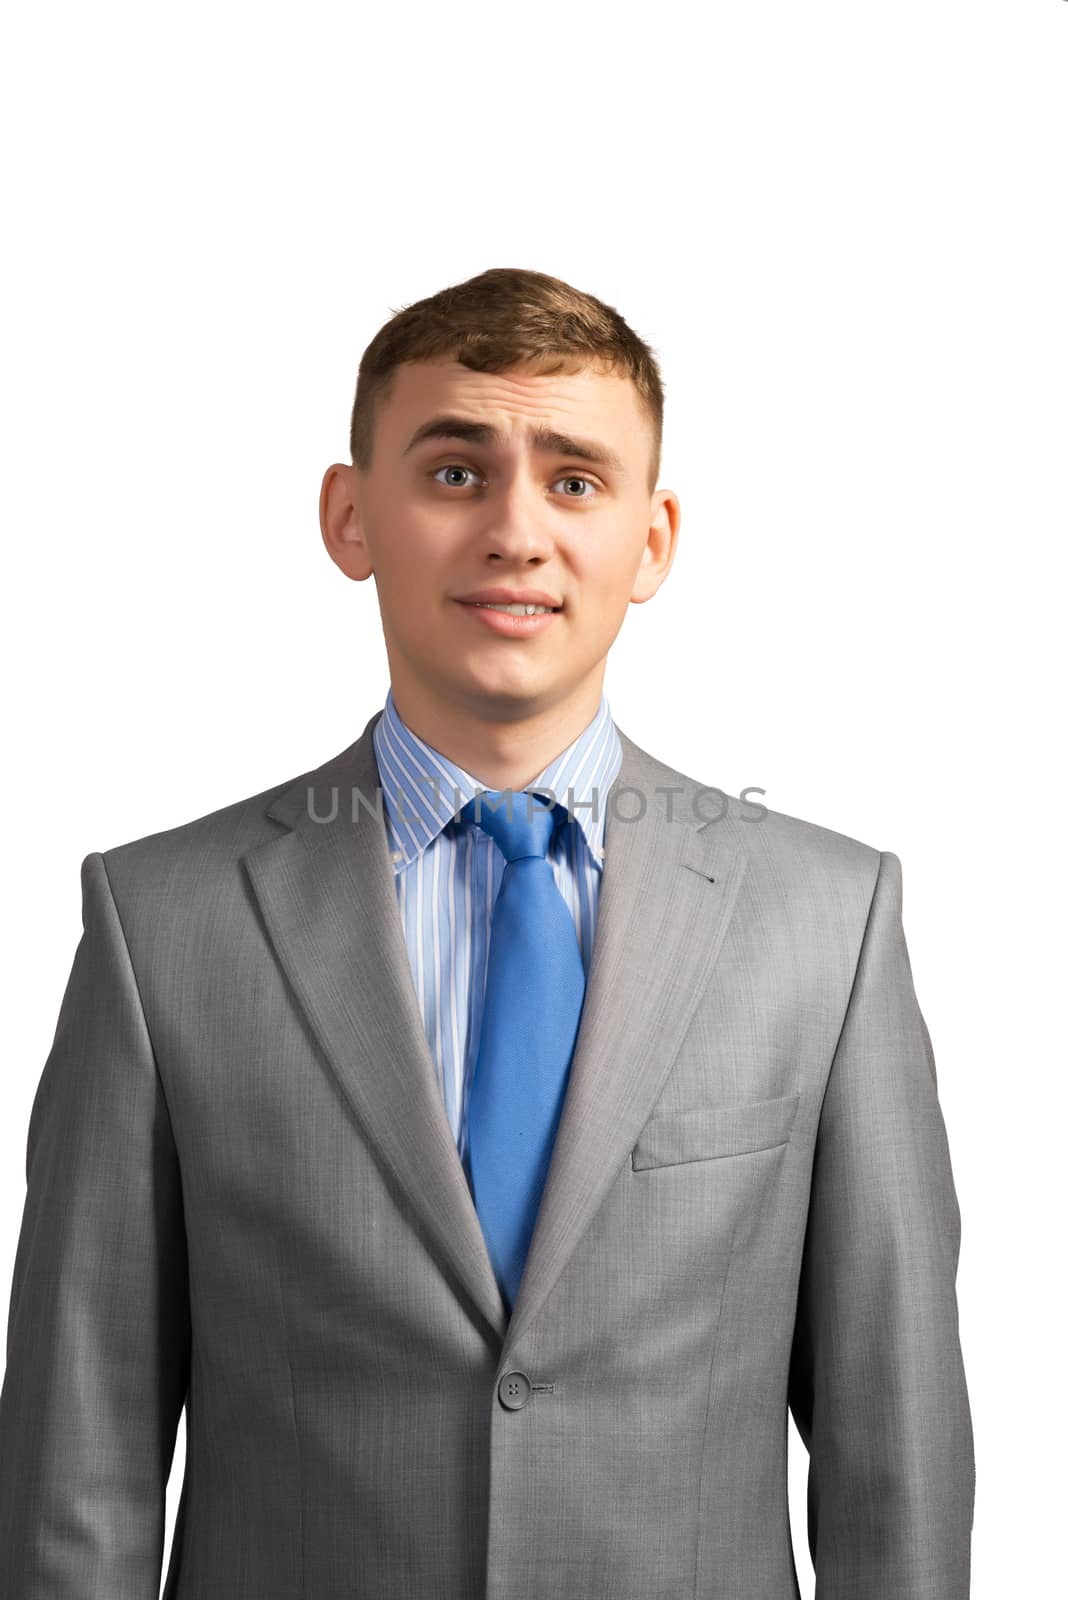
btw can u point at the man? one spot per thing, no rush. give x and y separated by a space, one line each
491 1135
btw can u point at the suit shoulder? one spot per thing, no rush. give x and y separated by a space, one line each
789 835
790 846
199 850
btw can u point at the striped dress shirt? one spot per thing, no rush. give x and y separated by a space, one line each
447 877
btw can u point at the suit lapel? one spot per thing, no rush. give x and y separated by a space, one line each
326 890
668 890
329 902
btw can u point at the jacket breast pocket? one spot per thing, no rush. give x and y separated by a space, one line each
708 1133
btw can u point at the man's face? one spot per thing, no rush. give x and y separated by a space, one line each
444 516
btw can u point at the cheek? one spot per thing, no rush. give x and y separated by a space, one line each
605 590
412 562
605 560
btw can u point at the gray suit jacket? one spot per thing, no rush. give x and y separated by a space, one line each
244 1197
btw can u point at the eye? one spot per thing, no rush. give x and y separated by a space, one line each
570 477
453 466
578 477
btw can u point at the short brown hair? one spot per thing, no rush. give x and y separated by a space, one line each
506 317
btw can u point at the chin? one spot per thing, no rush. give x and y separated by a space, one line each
506 700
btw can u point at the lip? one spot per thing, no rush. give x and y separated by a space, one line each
508 627
510 597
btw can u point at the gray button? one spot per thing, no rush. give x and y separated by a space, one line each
514 1390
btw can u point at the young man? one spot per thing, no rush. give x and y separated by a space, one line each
491 1135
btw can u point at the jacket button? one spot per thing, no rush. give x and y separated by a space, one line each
514 1390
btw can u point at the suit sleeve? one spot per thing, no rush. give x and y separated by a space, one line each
98 1333
877 1385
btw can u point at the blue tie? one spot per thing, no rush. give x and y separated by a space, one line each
535 986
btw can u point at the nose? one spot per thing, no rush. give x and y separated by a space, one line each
519 525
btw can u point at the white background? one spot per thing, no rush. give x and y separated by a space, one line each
842 228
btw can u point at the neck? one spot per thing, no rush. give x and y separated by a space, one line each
503 745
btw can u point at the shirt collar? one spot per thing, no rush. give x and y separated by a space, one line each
423 789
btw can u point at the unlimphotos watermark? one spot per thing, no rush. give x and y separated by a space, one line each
706 804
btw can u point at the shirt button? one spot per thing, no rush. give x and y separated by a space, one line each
398 855
514 1390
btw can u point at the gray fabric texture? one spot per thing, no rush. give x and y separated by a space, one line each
244 1197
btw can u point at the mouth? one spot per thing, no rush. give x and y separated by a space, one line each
509 624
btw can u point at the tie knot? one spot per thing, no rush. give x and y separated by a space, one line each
521 824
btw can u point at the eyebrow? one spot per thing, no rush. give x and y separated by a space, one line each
546 440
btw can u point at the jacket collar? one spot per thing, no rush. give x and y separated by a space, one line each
423 789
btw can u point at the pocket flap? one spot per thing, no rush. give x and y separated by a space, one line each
704 1132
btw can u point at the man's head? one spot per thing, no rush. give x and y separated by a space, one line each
544 480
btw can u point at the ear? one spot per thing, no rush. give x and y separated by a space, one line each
340 521
660 545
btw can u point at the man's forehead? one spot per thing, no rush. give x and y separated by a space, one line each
515 386
521 393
